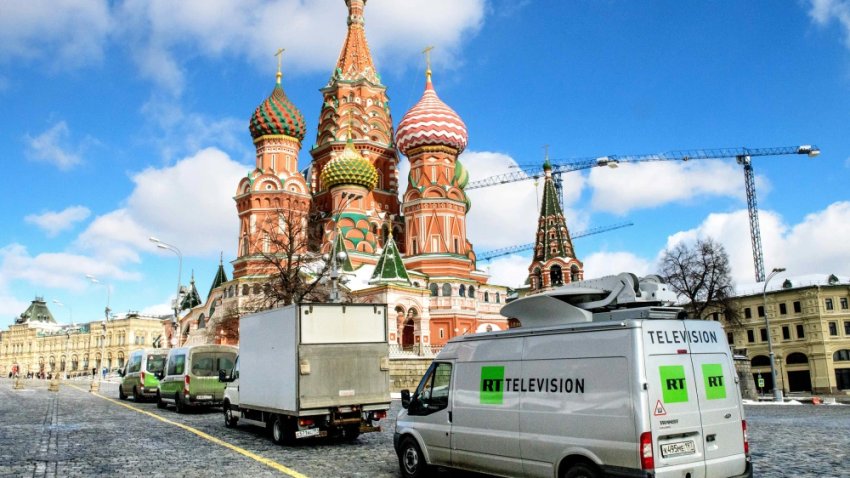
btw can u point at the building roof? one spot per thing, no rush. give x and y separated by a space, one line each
36 312
553 237
431 123
277 116
192 298
349 167
220 277
355 59
390 267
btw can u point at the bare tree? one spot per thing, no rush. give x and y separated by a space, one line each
701 274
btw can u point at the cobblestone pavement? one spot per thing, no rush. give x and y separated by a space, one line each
73 433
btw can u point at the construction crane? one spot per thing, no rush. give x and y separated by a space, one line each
488 255
742 155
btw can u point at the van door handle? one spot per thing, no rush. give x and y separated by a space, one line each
710 438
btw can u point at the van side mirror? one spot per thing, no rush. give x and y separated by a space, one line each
121 372
405 398
159 375
222 376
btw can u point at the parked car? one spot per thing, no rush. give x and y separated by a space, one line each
190 377
139 375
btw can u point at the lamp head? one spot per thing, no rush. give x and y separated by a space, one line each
153 239
778 269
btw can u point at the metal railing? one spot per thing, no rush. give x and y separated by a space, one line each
398 351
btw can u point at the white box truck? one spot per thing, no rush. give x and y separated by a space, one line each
311 370
601 379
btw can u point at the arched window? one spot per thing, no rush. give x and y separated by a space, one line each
246 289
461 291
796 358
447 290
537 279
498 297
842 355
556 276
760 361
486 296
574 274
471 292
202 322
434 289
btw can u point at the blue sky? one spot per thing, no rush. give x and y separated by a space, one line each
128 119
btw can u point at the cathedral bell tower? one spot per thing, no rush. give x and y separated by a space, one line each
274 192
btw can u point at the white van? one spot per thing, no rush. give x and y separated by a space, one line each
589 386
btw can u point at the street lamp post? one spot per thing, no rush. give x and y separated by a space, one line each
347 198
175 327
97 378
777 392
67 333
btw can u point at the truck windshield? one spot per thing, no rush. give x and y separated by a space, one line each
155 363
207 364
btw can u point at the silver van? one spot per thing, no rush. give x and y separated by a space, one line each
623 392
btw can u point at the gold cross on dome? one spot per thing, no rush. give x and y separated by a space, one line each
427 52
279 55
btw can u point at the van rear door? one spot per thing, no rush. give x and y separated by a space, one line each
719 400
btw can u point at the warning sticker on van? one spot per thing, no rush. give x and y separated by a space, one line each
712 374
673 385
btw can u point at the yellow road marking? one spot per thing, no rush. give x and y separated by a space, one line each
270 463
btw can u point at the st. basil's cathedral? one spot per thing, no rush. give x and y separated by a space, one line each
412 254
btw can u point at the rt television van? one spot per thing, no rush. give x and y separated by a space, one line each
599 380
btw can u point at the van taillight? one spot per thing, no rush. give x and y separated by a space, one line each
142 377
305 422
647 462
746 437
186 385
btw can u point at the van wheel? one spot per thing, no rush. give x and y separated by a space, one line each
136 395
410 460
159 402
278 430
582 470
121 394
229 419
179 404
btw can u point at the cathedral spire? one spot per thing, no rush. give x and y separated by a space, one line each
355 60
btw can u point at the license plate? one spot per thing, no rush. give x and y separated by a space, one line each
310 432
203 397
678 448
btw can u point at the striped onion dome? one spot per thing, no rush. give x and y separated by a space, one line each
431 123
277 115
349 167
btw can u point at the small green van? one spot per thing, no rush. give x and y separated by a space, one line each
139 375
190 378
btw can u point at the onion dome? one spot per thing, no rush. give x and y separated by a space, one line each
277 115
461 178
431 123
349 167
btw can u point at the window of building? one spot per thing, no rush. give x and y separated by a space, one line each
730 337
748 314
498 297
715 316
486 296
433 288
843 302
447 290
442 333
761 311
786 332
471 293
461 291
751 336
842 355
797 308
833 329
828 303
783 310
846 327
763 334
800 332
842 378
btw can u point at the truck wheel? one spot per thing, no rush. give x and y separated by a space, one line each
179 404
278 430
159 402
229 419
582 470
411 461
121 394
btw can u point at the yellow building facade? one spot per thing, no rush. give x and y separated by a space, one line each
36 344
809 328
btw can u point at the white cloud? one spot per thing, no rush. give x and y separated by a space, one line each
189 205
511 271
55 222
600 264
52 146
817 245
823 12
635 186
160 31
68 33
